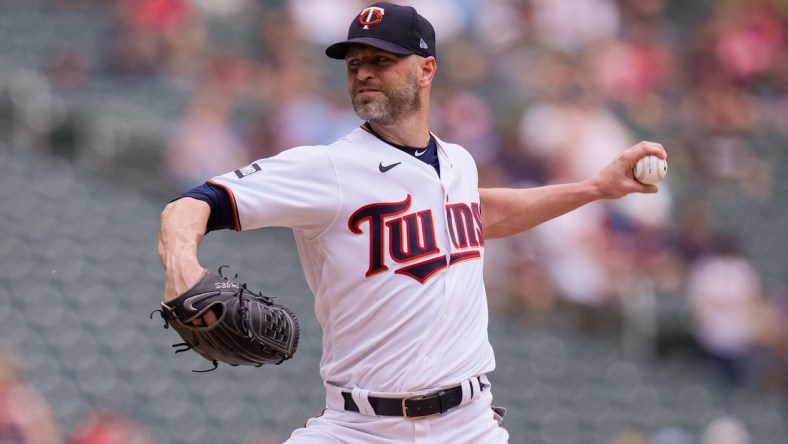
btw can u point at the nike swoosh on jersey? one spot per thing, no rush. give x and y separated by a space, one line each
418 153
384 168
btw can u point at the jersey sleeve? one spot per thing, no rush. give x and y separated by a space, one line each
222 209
297 188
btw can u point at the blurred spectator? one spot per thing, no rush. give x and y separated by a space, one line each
25 416
517 281
578 256
184 51
332 15
463 113
695 229
325 120
724 291
574 24
447 16
568 125
639 72
781 344
570 130
733 57
725 430
640 227
75 5
67 70
261 438
109 426
502 24
205 143
723 151
304 114
772 330
152 36
671 435
285 56
748 36
629 436
225 9
132 52
628 72
468 121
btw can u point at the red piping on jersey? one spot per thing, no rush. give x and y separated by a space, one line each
464 256
236 219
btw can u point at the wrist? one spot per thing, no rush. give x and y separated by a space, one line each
592 189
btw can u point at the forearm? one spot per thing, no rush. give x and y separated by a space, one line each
507 211
183 225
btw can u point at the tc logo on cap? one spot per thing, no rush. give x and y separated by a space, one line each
371 16
402 31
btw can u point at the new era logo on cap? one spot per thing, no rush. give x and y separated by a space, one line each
393 28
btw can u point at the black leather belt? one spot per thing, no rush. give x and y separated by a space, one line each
418 406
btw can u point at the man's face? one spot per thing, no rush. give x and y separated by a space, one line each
383 87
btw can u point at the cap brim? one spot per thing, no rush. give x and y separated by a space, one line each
338 50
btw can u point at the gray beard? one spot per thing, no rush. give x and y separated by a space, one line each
395 104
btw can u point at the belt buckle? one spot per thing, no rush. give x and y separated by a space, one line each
416 398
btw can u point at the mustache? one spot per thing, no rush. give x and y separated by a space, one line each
361 85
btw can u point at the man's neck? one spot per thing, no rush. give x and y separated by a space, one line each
411 132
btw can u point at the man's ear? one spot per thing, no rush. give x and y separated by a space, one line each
429 66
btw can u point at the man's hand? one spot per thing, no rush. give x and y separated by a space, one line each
617 179
181 282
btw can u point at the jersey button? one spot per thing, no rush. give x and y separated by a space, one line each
427 360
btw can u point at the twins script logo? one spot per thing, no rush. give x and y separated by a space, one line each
410 237
370 16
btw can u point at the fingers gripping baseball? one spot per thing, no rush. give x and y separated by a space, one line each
617 179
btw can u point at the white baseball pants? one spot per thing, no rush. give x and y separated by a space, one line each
473 422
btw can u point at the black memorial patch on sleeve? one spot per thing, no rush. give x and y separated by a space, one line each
247 170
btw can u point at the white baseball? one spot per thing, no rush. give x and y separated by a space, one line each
650 170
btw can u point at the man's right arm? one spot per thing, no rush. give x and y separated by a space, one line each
183 225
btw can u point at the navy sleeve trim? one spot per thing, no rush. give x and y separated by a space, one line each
224 212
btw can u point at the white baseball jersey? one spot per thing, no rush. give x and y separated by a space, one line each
392 252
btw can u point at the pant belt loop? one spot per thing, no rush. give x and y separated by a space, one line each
467 392
471 390
477 388
361 397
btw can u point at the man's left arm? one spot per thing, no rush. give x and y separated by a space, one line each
508 211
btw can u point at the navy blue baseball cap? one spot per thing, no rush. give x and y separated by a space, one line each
393 28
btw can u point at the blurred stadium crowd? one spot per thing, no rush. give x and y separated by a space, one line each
167 93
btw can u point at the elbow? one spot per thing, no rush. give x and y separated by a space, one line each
493 229
167 227
165 213
182 226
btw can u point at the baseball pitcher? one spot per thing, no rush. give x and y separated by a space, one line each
390 225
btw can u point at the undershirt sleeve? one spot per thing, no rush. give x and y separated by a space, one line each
223 216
